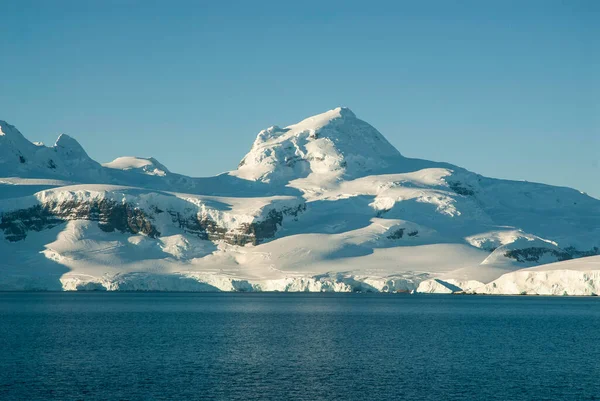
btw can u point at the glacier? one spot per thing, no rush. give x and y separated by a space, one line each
326 204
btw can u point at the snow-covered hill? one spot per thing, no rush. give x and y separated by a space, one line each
149 166
327 204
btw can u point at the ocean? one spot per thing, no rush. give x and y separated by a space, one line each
306 346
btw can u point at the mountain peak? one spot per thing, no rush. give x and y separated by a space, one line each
65 141
70 149
335 143
20 157
320 120
9 131
345 111
4 127
148 166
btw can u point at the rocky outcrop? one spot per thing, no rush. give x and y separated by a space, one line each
16 224
125 217
575 253
460 188
109 214
396 234
399 233
247 233
264 229
137 213
533 254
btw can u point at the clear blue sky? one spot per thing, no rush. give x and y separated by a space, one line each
506 89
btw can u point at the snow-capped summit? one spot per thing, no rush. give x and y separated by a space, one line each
69 144
21 158
334 144
10 137
149 166
72 154
7 130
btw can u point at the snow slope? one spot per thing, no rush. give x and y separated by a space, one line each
327 204
571 277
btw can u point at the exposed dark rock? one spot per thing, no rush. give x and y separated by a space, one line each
109 214
189 224
125 217
534 254
257 232
254 233
458 187
16 224
399 233
581 254
212 229
396 234
291 161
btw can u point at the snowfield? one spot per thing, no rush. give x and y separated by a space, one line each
327 204
571 277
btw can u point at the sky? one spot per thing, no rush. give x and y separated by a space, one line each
508 89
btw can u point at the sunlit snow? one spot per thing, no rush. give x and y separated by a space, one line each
327 204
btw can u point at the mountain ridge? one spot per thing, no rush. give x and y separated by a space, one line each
324 204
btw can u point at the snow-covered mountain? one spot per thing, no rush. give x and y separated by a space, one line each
327 204
66 159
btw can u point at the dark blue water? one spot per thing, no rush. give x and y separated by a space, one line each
155 346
